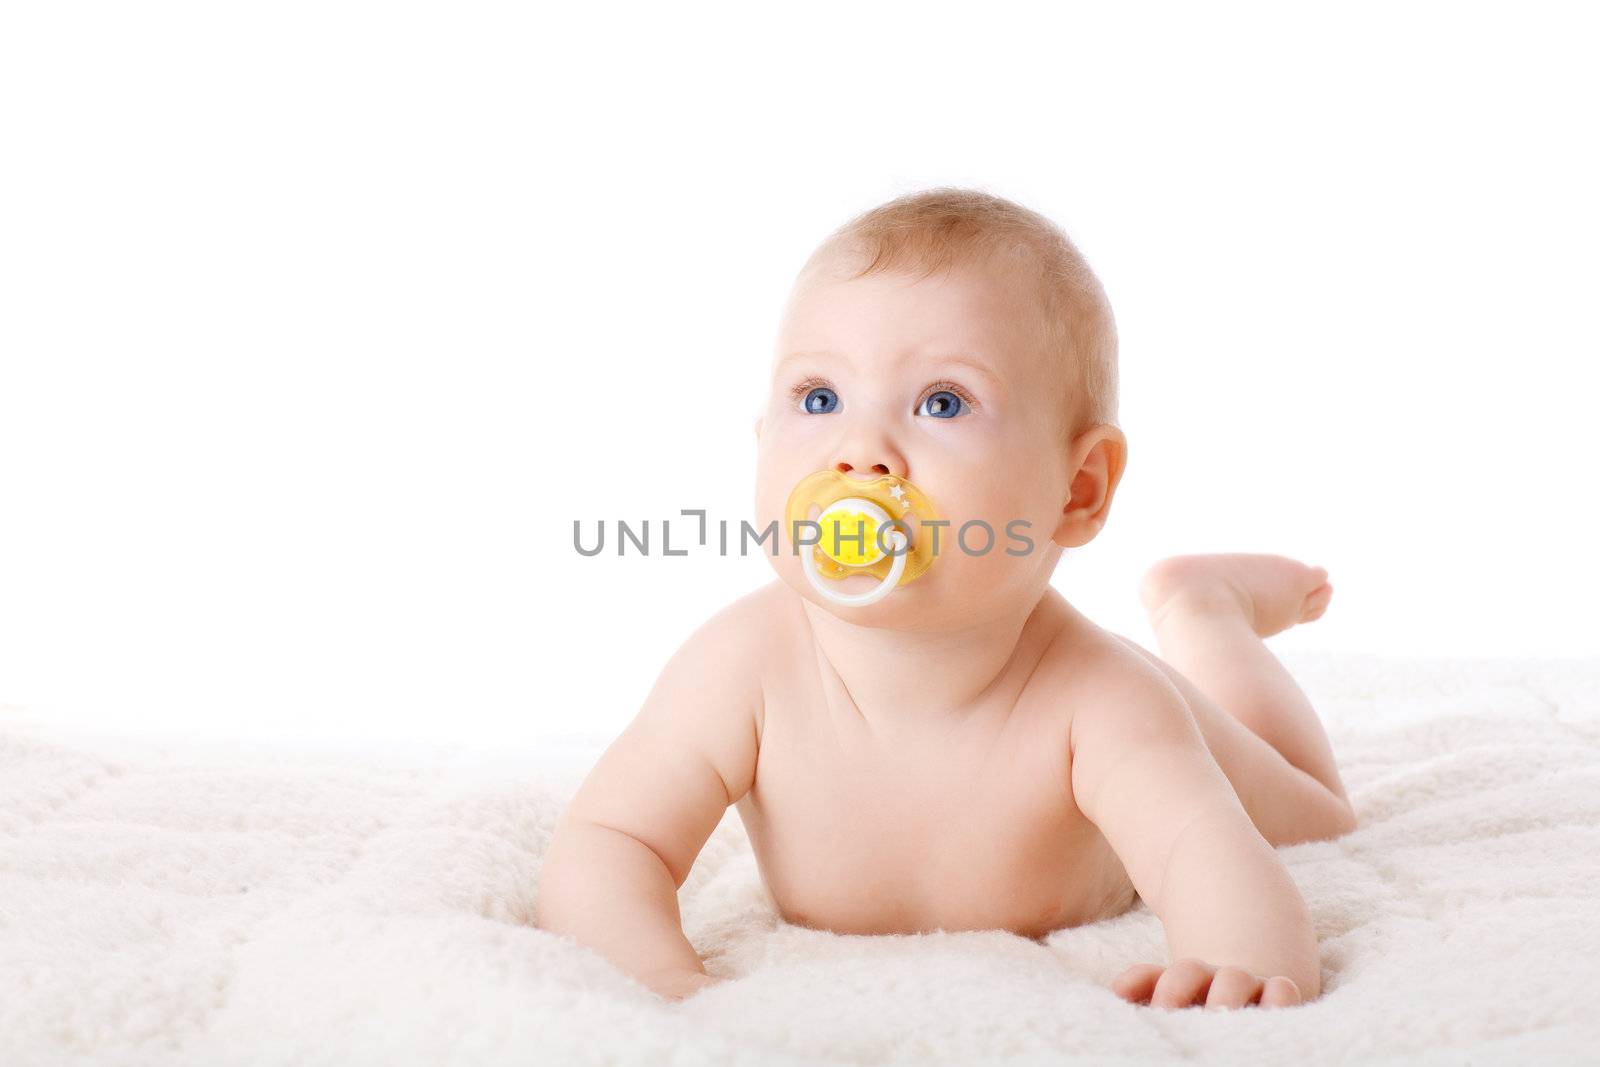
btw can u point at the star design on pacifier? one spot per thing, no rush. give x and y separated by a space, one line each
899 495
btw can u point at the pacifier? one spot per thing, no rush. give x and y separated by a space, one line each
864 526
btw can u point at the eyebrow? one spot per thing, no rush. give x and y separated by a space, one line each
972 363
959 359
792 357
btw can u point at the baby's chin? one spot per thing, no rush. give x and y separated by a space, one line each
919 605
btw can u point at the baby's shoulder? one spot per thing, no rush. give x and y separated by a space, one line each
740 645
1086 666
753 627
1111 694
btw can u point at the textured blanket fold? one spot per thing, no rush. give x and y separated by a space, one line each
177 903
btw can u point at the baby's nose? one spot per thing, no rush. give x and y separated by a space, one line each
870 470
866 451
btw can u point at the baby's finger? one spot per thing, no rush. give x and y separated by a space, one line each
1137 982
1233 987
1280 992
1185 983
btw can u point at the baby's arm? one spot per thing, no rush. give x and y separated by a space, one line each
1236 925
625 844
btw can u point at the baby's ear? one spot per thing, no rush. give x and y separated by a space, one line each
1098 458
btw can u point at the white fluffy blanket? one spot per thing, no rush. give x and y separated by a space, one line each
178 904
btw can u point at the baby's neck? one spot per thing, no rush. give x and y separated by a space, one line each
894 676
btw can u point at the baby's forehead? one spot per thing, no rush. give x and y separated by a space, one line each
979 280
983 322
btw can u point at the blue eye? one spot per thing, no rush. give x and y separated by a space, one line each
942 405
820 401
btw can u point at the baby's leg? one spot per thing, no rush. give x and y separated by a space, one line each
1210 614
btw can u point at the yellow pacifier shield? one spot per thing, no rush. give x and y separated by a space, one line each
848 538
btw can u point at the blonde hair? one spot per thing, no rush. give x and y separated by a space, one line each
939 228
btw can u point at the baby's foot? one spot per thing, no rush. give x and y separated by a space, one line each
1273 592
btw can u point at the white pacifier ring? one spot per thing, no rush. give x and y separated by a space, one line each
898 550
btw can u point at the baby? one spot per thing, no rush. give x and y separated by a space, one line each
918 730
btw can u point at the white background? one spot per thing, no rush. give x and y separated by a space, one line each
320 324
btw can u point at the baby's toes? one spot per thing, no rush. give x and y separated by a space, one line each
1316 602
1185 983
1233 988
1280 992
1137 982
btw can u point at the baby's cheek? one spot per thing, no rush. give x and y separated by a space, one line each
772 498
991 525
995 552
771 504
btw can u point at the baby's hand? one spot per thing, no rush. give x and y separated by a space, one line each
1192 982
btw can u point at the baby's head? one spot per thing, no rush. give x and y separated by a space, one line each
958 341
